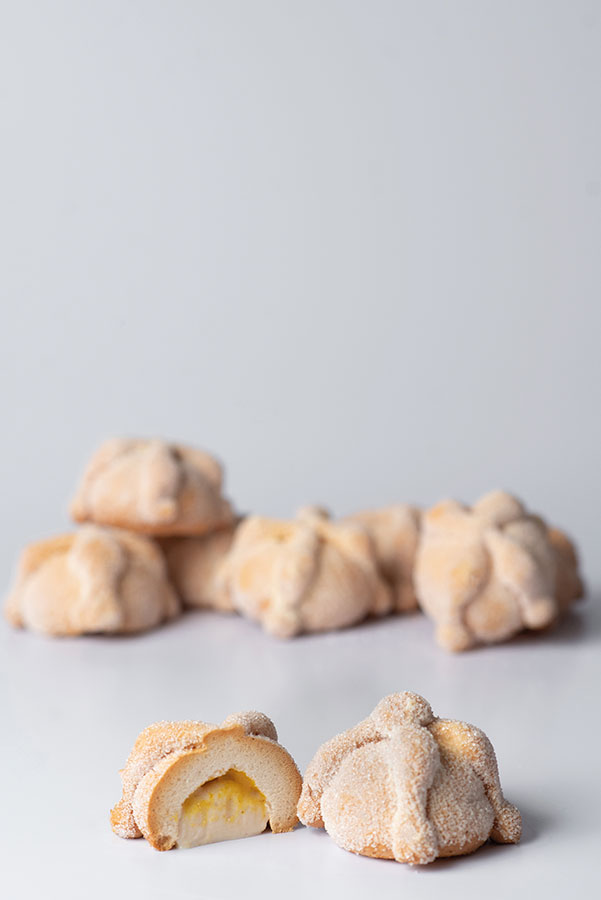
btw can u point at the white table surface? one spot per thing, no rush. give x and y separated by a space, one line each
72 709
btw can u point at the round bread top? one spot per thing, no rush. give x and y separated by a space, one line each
165 754
95 580
486 572
399 755
305 574
153 487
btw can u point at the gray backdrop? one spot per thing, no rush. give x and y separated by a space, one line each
354 248
351 247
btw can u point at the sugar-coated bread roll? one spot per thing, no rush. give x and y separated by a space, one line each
406 785
196 568
152 487
95 580
304 575
487 572
192 783
568 584
394 531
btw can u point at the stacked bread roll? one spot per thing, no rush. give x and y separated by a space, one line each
157 535
111 575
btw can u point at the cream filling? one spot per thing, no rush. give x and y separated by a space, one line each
222 809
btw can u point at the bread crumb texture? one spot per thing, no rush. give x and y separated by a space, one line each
192 783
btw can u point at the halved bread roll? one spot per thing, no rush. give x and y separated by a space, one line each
191 783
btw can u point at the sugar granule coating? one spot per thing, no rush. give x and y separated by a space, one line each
394 531
96 580
196 567
170 761
485 573
304 575
152 487
406 785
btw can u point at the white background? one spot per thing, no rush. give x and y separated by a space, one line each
353 248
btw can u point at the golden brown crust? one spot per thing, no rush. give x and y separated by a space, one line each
230 743
394 531
485 573
152 487
406 785
254 723
96 580
569 586
304 575
153 744
164 751
197 568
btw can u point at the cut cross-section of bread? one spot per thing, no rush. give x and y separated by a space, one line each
228 806
187 784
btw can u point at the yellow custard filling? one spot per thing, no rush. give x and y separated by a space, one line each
228 807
